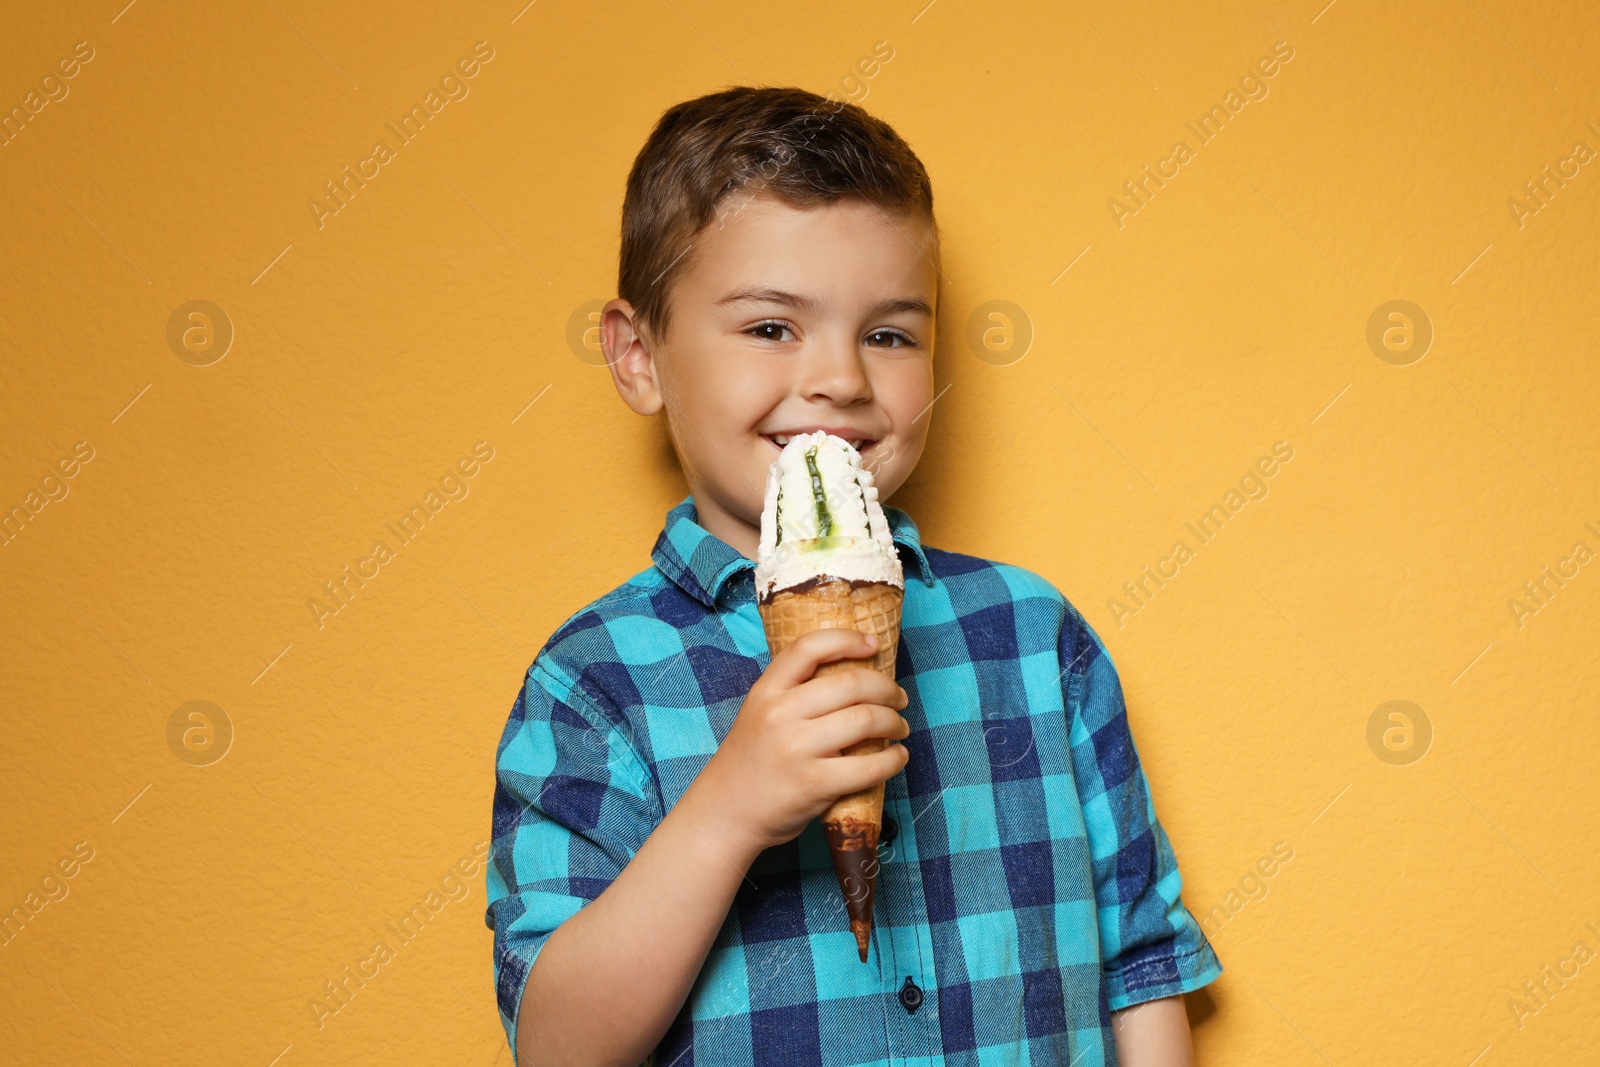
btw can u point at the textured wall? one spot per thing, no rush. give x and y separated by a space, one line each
188 484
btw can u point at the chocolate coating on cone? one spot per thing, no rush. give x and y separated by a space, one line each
854 845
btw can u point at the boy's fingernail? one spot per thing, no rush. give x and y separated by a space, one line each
872 639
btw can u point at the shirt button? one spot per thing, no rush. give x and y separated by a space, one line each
910 996
891 830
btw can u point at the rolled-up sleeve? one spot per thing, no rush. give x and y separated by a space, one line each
1151 946
573 803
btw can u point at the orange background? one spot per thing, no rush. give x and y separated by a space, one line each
231 877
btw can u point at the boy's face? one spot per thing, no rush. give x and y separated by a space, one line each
788 320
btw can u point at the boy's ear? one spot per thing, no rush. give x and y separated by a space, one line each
628 357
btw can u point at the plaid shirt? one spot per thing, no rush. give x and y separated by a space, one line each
1026 889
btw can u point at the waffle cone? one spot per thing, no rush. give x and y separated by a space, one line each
853 822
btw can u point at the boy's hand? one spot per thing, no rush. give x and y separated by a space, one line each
779 767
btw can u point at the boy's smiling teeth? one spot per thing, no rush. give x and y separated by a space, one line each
781 439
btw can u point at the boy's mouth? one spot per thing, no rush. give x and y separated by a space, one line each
856 439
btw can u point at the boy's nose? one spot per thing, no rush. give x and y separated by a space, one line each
835 374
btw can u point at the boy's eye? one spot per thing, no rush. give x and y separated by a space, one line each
878 336
768 331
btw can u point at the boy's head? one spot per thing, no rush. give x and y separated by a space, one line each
779 274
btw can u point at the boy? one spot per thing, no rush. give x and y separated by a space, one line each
659 882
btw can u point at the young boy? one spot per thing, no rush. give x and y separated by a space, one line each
660 885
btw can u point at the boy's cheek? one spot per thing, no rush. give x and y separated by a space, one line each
879 455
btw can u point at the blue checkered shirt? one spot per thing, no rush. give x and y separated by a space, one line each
1026 889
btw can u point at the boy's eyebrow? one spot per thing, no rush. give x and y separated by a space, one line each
766 295
896 305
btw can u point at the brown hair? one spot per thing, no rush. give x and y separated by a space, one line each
803 148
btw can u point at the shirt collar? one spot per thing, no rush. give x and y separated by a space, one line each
702 564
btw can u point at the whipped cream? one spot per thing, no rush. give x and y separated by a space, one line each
822 519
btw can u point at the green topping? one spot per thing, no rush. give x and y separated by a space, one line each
819 494
866 512
824 544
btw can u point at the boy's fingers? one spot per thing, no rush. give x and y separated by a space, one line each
842 728
850 774
840 689
800 661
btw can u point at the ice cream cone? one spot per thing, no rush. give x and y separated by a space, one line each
827 561
853 822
